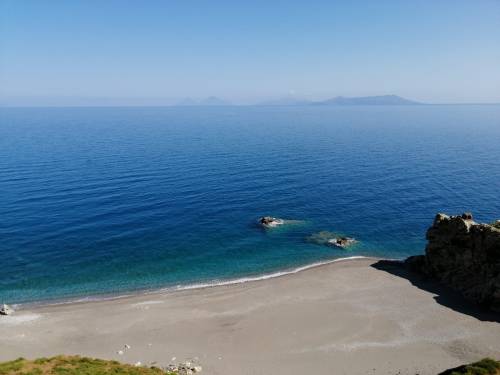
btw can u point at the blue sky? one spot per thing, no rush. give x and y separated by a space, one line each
140 51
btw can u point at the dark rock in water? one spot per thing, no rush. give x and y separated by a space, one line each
268 221
331 239
465 256
467 216
342 242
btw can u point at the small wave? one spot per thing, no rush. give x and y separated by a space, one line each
261 277
208 284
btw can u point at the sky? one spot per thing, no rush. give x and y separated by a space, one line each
157 52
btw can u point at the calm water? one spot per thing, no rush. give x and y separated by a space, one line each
108 200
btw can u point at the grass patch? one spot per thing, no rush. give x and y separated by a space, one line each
486 366
74 365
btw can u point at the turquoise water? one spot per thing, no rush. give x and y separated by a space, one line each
110 200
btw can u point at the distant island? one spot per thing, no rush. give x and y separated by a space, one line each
368 100
293 101
342 100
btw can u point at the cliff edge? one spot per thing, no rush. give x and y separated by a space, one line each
464 255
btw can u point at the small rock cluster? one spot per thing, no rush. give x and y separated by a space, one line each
187 367
184 368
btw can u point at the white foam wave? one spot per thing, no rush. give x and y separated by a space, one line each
210 284
261 277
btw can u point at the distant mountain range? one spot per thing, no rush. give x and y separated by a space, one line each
208 101
293 101
341 100
368 100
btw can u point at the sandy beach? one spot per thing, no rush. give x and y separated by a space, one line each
348 317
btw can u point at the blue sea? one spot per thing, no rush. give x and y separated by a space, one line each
108 201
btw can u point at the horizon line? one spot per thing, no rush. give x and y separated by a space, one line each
55 101
244 105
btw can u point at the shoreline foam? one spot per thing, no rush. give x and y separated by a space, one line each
178 288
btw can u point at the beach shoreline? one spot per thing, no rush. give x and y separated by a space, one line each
347 317
30 305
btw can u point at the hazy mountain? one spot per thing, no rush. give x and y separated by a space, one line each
213 100
368 100
341 100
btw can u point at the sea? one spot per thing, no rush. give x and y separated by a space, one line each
99 202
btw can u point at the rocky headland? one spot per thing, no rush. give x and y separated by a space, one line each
464 255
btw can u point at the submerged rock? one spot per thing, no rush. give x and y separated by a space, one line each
326 238
342 242
6 310
464 255
270 222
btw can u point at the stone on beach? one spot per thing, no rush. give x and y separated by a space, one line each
6 310
171 368
184 368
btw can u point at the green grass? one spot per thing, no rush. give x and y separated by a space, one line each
486 366
73 365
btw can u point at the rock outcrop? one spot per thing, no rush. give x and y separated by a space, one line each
326 238
464 255
342 242
270 222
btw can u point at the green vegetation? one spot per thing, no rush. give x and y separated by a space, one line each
73 365
486 366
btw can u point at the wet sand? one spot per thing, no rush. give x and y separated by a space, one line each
341 318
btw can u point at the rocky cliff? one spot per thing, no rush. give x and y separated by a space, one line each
464 255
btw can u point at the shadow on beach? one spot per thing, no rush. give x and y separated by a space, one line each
444 295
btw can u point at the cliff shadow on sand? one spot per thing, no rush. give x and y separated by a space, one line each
444 295
461 265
